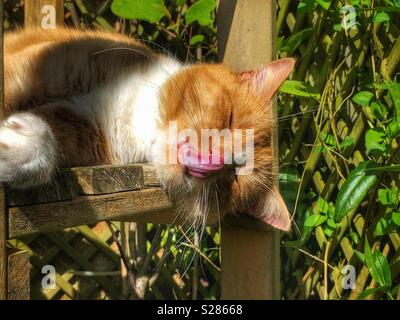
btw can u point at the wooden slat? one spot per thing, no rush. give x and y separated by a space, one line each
86 181
63 187
246 35
3 212
150 176
108 179
85 210
47 14
18 276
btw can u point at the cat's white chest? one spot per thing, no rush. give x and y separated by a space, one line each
128 111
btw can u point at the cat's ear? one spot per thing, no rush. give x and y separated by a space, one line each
272 209
267 79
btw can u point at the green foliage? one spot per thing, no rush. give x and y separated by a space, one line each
201 11
149 10
344 148
355 188
363 98
298 88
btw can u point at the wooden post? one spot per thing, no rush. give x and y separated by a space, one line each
18 278
250 252
47 14
3 218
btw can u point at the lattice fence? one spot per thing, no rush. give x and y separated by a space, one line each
88 264
323 138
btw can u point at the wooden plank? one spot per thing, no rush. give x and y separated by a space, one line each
246 37
85 210
63 187
150 176
70 183
3 212
47 14
108 179
18 276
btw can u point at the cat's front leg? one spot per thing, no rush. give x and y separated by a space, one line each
27 151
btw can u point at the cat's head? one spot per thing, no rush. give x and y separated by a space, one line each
239 173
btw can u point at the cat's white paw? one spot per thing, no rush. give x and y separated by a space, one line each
27 151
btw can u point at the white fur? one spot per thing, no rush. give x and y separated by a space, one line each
128 110
27 151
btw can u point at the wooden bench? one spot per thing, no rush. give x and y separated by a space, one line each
79 196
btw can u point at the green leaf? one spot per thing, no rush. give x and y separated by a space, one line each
314 220
378 109
298 88
200 11
150 10
348 142
377 266
180 3
393 129
324 3
396 218
291 43
363 98
331 223
370 291
321 206
197 39
329 231
337 27
360 256
394 91
328 139
388 197
375 141
355 188
305 6
381 17
384 226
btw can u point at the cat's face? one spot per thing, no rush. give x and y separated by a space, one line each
238 173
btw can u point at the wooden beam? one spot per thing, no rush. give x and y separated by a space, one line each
47 14
70 183
83 210
3 212
250 254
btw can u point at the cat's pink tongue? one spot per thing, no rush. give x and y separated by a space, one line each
199 165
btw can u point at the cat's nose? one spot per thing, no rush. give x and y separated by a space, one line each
197 164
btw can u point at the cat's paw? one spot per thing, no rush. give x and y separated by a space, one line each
27 155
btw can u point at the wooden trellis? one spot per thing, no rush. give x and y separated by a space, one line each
81 196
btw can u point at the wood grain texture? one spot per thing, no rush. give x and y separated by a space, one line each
34 15
18 276
3 212
70 183
150 176
63 187
85 210
108 178
246 40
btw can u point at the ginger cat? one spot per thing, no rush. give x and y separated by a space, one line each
78 98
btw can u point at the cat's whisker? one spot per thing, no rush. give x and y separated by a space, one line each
290 116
